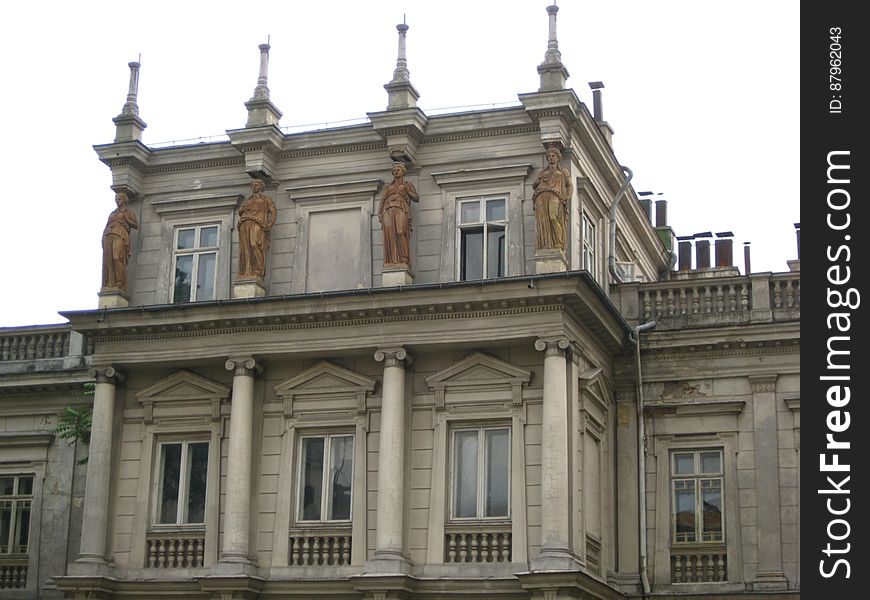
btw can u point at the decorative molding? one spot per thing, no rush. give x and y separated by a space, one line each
393 357
195 165
470 135
334 192
484 174
793 404
344 149
198 202
763 383
183 387
242 366
477 372
703 408
325 380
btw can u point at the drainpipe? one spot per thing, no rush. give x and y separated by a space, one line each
641 458
611 259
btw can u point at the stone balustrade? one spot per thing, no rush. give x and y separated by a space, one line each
320 547
699 564
13 573
175 550
709 301
478 545
36 346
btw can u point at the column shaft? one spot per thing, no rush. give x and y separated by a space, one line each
391 460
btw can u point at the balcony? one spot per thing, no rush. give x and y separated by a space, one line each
699 564
320 547
175 550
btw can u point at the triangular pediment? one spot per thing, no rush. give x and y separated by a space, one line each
325 378
184 386
478 370
593 382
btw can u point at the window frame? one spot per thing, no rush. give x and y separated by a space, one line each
184 485
484 226
16 499
696 477
325 484
480 489
196 252
588 244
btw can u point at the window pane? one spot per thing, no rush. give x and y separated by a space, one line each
7 486
312 478
497 473
205 276
22 527
171 471
684 507
684 464
495 210
197 473
711 502
25 486
710 462
465 474
208 237
472 254
469 212
340 477
5 525
186 238
183 277
495 253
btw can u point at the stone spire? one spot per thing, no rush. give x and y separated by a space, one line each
128 125
261 111
553 73
400 92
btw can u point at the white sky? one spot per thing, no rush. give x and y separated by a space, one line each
703 97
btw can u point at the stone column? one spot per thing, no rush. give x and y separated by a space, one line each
389 546
769 575
628 557
237 507
555 495
96 505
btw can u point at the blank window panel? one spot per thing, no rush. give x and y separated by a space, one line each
497 472
465 470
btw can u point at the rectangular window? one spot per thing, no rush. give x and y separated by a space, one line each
696 485
16 497
482 237
588 231
182 483
326 478
480 473
195 263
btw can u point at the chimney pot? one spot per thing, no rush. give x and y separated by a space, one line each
702 254
661 213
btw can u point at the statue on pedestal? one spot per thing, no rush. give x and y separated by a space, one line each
395 217
116 244
552 194
257 215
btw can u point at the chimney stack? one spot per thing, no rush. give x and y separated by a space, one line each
724 249
702 250
598 111
797 230
661 213
684 246
747 266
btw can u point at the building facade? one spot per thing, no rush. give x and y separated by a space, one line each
423 357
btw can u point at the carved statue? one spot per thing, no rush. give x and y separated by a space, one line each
553 190
116 244
395 217
257 215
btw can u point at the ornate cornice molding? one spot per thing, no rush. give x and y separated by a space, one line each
342 149
724 350
468 135
195 165
763 383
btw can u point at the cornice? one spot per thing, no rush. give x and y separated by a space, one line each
196 165
484 133
724 350
336 149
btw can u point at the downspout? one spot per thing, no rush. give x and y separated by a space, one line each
611 257
641 459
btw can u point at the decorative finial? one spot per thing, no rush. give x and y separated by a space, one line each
400 91
130 106
553 73
261 92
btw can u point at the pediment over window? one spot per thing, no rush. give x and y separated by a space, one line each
479 372
183 388
325 387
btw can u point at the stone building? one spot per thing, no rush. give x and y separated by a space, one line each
428 403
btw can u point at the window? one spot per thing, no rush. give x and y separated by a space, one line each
182 483
326 478
482 233
16 496
195 263
696 483
480 473
589 247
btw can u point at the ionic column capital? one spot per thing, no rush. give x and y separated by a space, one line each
242 365
552 346
107 374
393 357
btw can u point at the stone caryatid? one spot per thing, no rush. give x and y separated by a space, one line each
257 215
553 191
395 217
116 244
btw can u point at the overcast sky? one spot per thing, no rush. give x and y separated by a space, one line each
703 97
